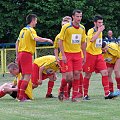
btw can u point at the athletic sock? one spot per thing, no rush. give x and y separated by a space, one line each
23 87
86 86
105 84
111 88
118 83
19 84
2 93
63 84
81 84
50 87
75 84
69 88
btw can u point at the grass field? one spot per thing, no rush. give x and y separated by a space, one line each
51 109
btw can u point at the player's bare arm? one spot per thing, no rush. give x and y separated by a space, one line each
62 51
100 29
40 75
40 39
16 47
83 47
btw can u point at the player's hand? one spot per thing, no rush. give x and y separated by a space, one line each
50 41
101 28
39 82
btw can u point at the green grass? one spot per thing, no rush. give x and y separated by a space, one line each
51 109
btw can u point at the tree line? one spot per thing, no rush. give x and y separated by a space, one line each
50 13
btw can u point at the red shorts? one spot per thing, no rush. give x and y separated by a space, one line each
110 65
25 62
35 74
74 61
94 63
63 67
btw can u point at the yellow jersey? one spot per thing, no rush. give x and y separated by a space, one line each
48 61
94 48
26 40
112 54
72 37
28 90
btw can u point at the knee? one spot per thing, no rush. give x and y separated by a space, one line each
88 75
104 73
117 74
77 75
69 78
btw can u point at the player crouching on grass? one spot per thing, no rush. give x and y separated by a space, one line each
11 88
111 53
45 67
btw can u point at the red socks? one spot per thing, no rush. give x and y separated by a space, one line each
19 84
81 84
2 93
86 86
105 84
69 88
22 89
63 84
118 83
50 87
111 88
75 84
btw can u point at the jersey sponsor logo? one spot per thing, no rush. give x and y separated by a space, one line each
98 43
76 39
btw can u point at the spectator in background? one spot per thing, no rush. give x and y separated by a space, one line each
110 37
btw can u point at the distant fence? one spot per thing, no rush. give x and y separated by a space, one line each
8 55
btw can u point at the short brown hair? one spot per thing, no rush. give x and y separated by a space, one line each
30 17
76 11
12 66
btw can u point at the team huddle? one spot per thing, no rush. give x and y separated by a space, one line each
75 53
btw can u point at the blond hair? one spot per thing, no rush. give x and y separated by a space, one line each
66 19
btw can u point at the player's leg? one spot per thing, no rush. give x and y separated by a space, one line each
88 68
52 78
75 85
35 75
117 75
2 92
26 69
63 85
80 91
111 85
101 66
67 76
77 68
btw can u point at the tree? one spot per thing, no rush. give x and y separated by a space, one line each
50 13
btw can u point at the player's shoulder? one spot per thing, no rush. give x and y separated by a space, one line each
91 30
67 25
82 26
58 35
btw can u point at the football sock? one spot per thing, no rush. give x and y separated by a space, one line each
2 93
63 84
81 84
50 87
85 86
118 83
105 84
111 88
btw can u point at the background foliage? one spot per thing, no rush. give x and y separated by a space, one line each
50 12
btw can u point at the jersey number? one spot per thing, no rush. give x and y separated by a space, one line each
22 36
